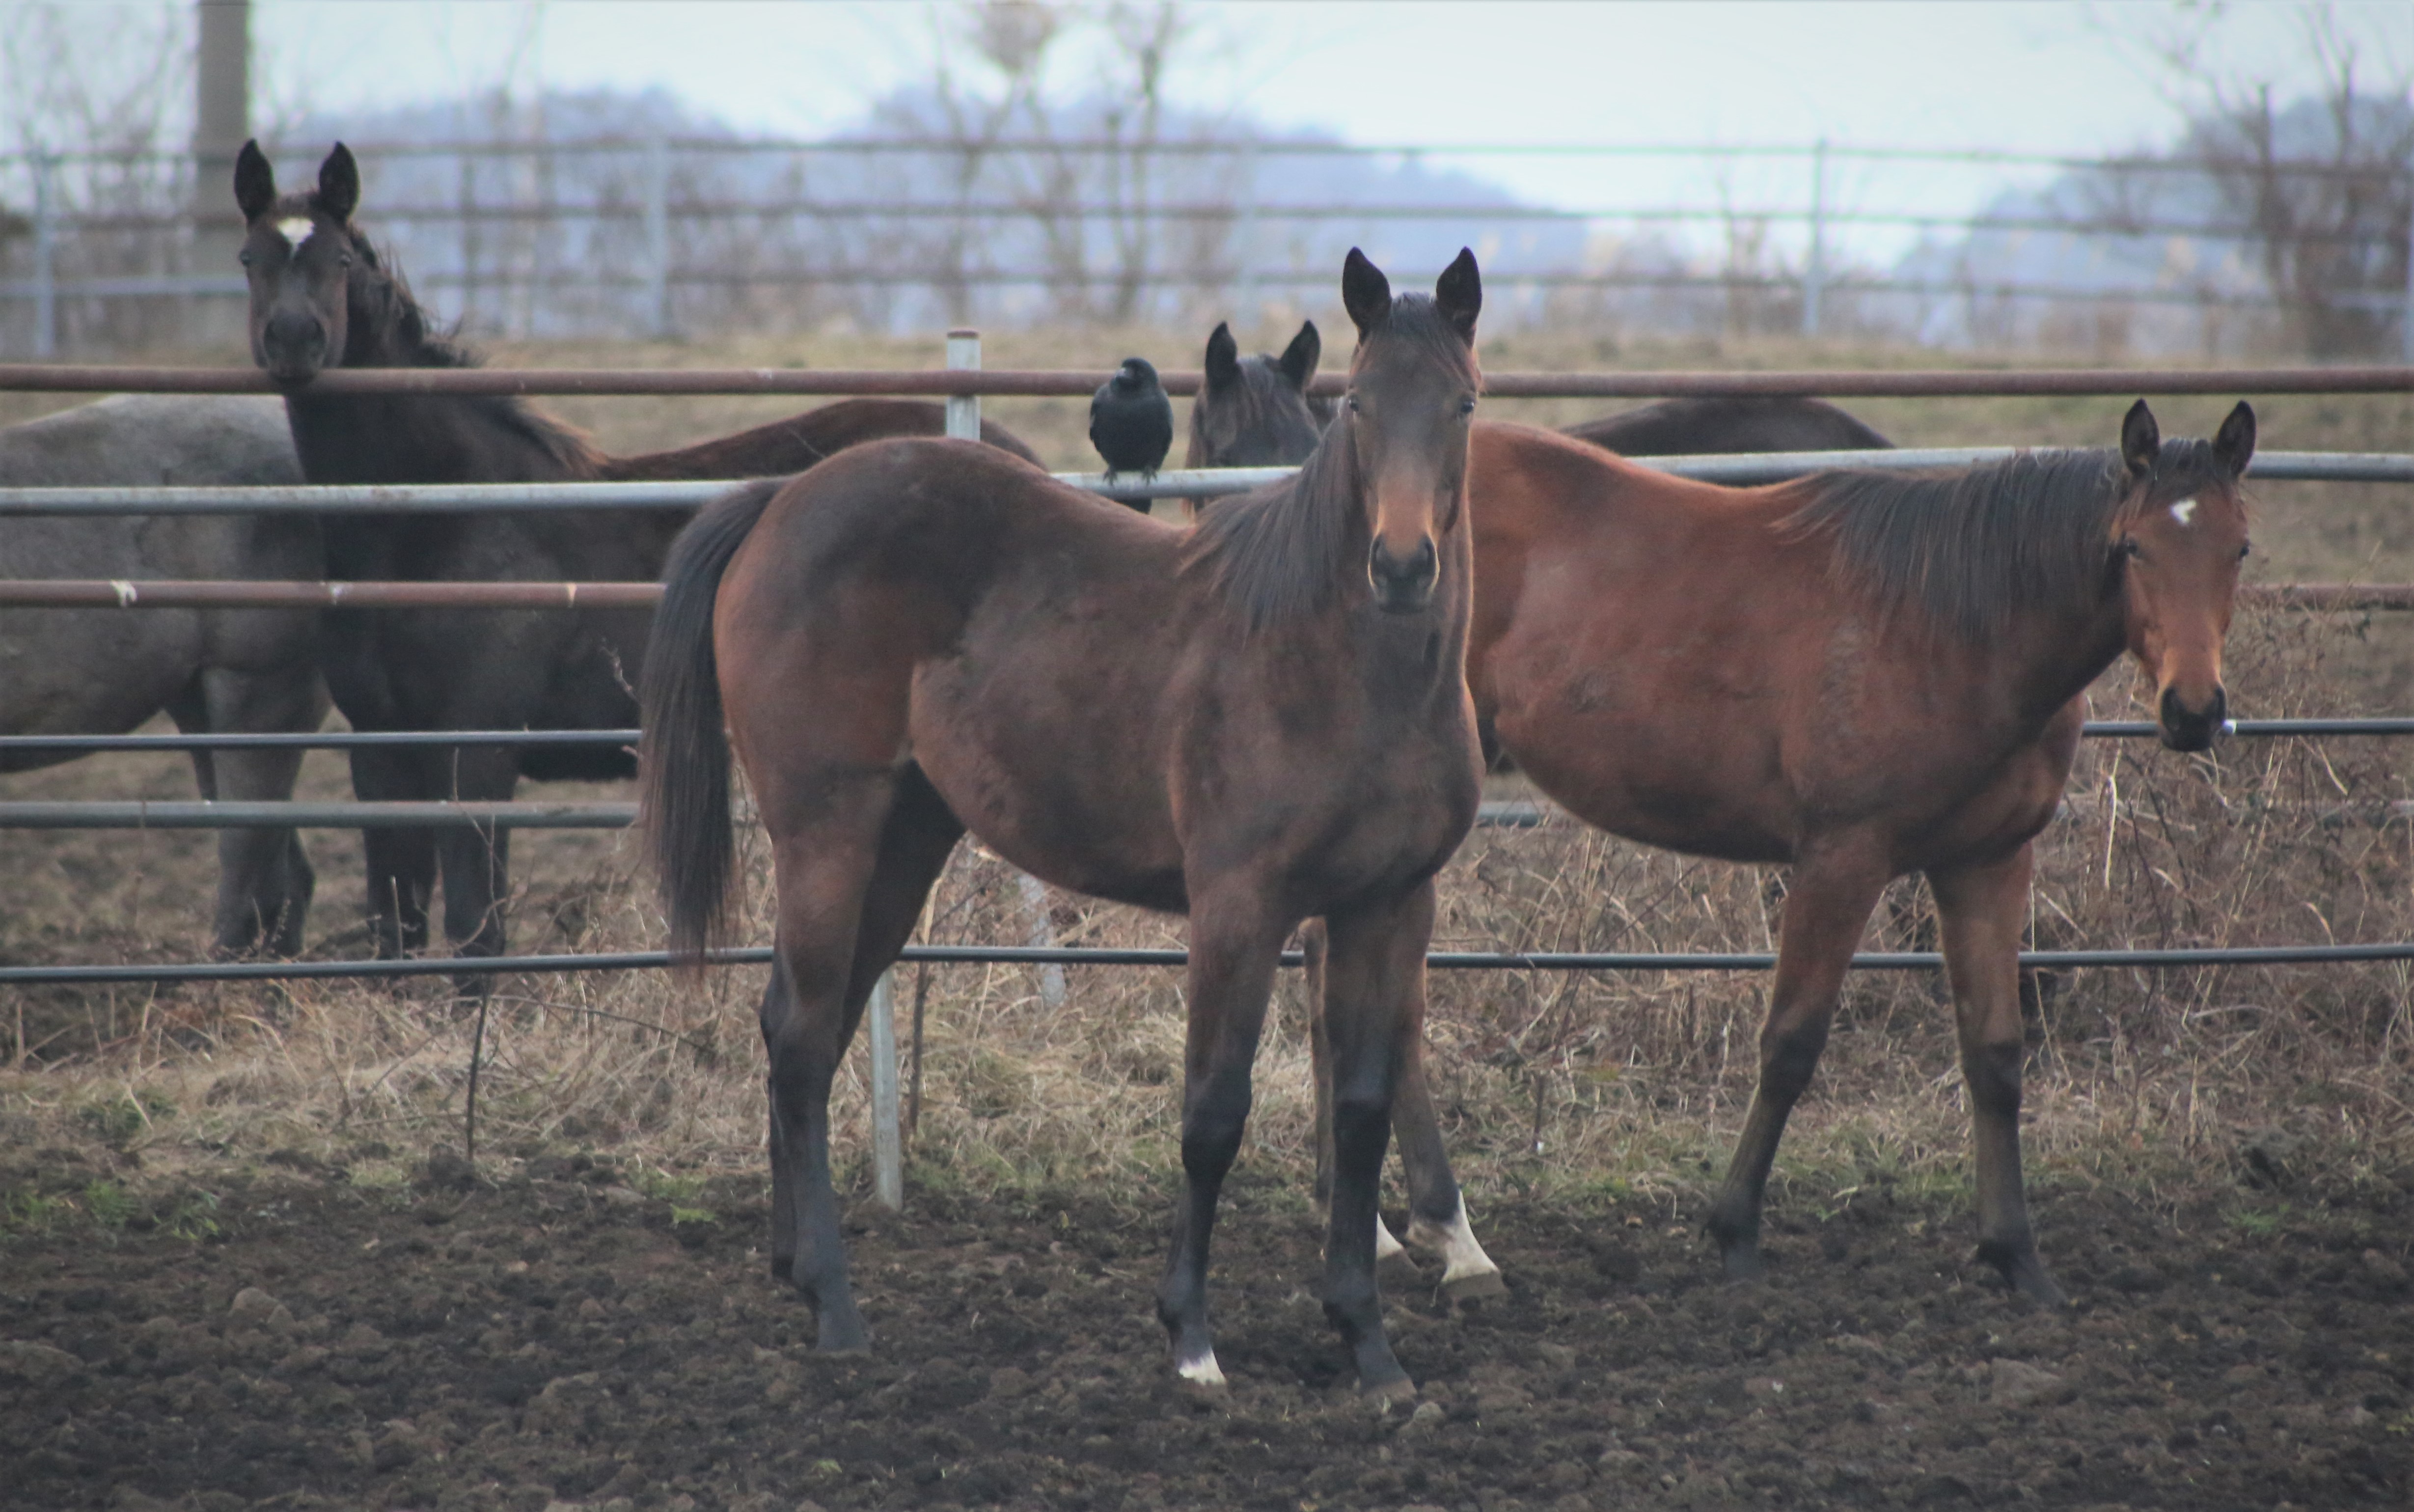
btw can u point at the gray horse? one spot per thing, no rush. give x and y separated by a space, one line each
104 671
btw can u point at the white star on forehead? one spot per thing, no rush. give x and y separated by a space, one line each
2185 512
296 230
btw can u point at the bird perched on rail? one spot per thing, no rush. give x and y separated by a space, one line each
1131 421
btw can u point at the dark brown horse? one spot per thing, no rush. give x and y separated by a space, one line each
1255 411
1723 425
321 296
1254 722
1898 689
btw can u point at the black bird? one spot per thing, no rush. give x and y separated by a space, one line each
1131 421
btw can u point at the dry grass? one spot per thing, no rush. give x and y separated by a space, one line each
1632 1083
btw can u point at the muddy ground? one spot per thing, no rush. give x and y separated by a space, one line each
551 1334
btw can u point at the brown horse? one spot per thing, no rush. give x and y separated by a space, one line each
1898 689
321 295
1251 722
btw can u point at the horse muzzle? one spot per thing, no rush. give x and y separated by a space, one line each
2183 729
1403 584
292 351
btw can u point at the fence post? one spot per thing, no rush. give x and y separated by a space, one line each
658 233
2405 312
963 409
1814 267
887 1144
46 288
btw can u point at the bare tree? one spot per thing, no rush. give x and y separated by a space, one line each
2323 185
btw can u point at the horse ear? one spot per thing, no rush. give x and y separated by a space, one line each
2233 446
1300 358
1458 293
339 185
254 182
2141 441
1223 358
1365 294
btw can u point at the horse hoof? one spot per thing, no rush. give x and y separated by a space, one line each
1476 1286
1384 1392
1202 1373
1743 1262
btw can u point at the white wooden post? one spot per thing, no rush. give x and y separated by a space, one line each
888 1142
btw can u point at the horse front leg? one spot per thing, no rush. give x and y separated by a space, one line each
264 877
1374 1014
1827 906
401 862
1438 1221
476 860
1979 910
1313 938
1234 948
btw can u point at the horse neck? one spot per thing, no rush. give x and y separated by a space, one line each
2055 656
394 438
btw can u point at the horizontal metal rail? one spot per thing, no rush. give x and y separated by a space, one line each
2265 955
256 594
358 740
1079 382
478 498
136 813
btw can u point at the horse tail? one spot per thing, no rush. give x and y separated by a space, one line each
683 757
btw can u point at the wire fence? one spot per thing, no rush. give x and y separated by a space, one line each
658 233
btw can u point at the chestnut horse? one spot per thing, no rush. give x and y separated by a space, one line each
1900 689
321 296
1254 722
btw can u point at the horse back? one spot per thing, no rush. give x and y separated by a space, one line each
803 441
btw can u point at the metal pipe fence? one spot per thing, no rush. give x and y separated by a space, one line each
1000 382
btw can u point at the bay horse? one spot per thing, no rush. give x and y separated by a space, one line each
214 671
1900 689
1255 721
321 295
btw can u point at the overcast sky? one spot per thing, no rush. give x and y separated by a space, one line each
2039 77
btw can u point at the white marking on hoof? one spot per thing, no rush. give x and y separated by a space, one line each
1386 1246
1203 1371
296 230
1462 1259
2185 512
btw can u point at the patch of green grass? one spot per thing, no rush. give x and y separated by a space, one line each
194 1217
2259 1223
26 1211
667 1186
109 1205
123 1119
681 1215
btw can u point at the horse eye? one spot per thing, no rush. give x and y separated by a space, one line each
2129 548
345 261
244 257
2242 548
1466 405
1353 404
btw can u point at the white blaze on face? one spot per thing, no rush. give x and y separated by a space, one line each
2185 512
296 230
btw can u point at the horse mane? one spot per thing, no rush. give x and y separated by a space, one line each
387 327
1277 553
1976 548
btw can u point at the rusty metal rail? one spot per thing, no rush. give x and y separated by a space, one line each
1079 382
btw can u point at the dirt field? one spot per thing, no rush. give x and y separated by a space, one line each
563 1337
241 1264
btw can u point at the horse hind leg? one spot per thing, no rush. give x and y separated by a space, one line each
1980 909
1827 905
851 891
1437 1223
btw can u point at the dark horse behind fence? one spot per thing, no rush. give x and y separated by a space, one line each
1254 722
1856 674
321 296
216 671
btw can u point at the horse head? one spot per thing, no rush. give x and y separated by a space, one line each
2175 551
1413 382
299 256
1255 412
